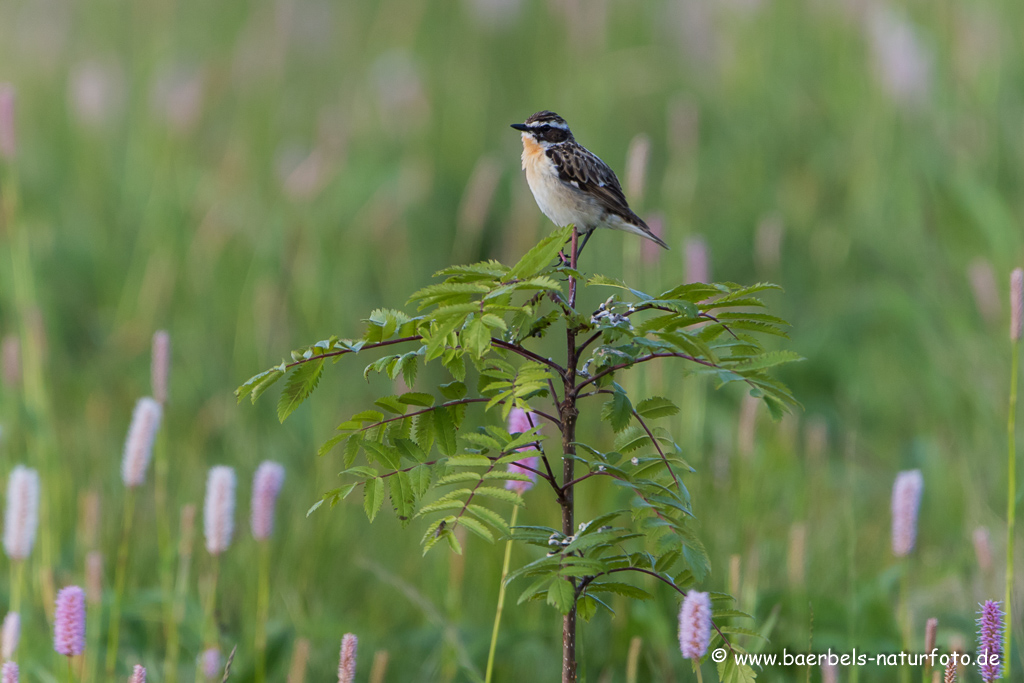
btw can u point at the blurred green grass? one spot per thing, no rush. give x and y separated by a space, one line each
255 176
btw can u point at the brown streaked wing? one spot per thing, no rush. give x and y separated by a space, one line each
580 167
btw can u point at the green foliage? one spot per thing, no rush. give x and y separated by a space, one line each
439 466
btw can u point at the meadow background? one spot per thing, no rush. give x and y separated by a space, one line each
255 176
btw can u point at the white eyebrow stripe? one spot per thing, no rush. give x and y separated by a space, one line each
553 124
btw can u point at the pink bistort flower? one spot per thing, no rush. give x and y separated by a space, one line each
990 640
520 421
695 625
906 500
22 516
10 634
219 509
69 622
347 659
8 136
138 446
265 487
209 662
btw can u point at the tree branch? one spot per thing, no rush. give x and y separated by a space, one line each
590 340
551 477
595 393
525 353
341 352
554 394
588 475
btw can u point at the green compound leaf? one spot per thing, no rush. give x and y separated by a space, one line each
477 528
586 608
560 595
731 672
538 258
391 404
419 479
373 497
444 429
440 506
476 338
655 407
453 391
301 384
491 517
410 449
500 494
403 497
423 431
618 411
382 453
257 384
415 398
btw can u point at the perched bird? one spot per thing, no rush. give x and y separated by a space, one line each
571 185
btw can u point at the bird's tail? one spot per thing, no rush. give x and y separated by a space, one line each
654 238
644 231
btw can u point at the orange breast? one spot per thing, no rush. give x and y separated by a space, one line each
533 153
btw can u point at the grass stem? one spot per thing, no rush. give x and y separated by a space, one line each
262 609
501 601
1011 504
120 578
209 624
17 572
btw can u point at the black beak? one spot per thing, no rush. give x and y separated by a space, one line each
521 126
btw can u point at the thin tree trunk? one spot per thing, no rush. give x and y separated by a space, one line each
568 418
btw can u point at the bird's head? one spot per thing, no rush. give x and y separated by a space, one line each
546 128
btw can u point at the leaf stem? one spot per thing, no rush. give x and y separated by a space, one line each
459 402
434 462
658 446
642 359
650 307
342 352
668 583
